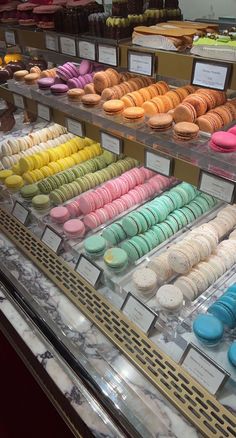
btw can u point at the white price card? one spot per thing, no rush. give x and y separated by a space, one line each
44 112
138 313
87 50
51 42
203 369
10 37
18 101
52 239
158 163
211 74
68 46
140 63
107 54
111 143
221 188
74 127
89 271
20 212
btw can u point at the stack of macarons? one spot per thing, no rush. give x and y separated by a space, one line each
197 104
47 185
167 100
139 97
108 209
224 141
106 79
91 180
44 14
224 309
145 281
185 131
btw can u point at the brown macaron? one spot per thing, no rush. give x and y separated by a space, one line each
75 94
133 114
198 102
185 131
89 89
31 78
160 122
113 107
101 81
91 99
185 112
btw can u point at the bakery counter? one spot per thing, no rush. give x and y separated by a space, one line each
184 160
75 343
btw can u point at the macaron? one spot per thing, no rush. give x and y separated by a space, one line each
116 259
145 280
41 202
45 83
160 122
208 329
59 89
232 354
185 131
59 215
74 228
113 107
170 298
133 114
224 142
14 182
75 94
5 174
29 191
95 246
91 99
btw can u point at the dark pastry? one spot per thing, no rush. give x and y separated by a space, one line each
14 66
35 62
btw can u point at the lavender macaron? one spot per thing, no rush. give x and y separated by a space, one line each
46 83
59 89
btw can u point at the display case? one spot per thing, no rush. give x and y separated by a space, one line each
129 353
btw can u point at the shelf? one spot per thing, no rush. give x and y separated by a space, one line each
172 65
187 161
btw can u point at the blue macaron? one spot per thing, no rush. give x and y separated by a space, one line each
232 354
208 329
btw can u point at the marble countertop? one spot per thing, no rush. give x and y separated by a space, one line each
133 396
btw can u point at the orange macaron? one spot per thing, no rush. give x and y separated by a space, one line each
113 107
133 114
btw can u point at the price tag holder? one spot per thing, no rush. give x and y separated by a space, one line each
87 50
111 143
141 63
68 46
20 212
108 54
44 112
221 188
76 128
207 372
51 42
89 271
138 313
18 101
215 75
158 163
52 239
10 37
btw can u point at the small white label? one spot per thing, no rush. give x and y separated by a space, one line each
44 112
51 42
203 369
158 164
87 50
68 46
141 63
90 272
210 75
18 101
110 143
138 313
218 187
51 239
10 37
107 55
20 212
75 127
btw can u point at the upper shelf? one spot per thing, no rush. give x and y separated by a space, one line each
56 47
186 161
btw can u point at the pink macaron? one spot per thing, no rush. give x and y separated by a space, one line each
92 220
85 67
105 194
138 174
147 173
232 130
224 142
74 228
73 208
87 203
59 215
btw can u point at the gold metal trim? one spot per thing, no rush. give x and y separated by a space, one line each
187 395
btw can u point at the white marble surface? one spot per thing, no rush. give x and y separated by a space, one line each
150 413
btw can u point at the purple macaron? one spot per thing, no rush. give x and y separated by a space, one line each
85 67
67 71
59 89
45 83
